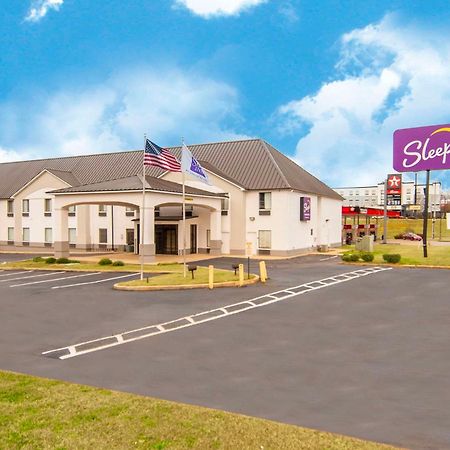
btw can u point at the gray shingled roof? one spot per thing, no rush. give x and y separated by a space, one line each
252 164
134 183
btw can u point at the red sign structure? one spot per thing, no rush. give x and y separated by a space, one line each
394 190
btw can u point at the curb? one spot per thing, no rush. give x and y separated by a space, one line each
182 287
399 266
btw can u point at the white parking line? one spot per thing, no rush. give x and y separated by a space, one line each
95 282
15 273
31 276
327 259
206 316
55 279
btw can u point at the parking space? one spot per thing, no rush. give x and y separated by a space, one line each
321 345
59 279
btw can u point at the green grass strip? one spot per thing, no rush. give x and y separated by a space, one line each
37 413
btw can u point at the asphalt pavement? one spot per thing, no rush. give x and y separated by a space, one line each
366 357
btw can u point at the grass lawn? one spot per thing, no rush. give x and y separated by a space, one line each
149 268
45 414
397 226
412 254
201 277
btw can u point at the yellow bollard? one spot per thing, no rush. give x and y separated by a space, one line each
211 277
241 274
262 271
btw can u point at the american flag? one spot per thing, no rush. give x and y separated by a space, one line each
154 155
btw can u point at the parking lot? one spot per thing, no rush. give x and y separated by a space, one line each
323 345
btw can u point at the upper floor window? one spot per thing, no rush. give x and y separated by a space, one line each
48 207
102 210
265 203
10 208
225 205
72 211
129 212
25 207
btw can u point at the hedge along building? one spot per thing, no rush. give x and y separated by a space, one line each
94 202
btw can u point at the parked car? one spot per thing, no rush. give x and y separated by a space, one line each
412 236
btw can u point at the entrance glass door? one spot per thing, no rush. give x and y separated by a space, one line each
166 239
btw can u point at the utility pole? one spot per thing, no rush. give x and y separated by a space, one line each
425 216
385 213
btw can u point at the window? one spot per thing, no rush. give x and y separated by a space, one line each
102 210
102 236
48 235
10 208
157 211
48 207
265 203
11 235
25 207
72 236
72 211
208 238
225 206
265 239
26 235
129 212
189 210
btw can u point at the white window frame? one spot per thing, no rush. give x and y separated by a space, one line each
72 236
26 232
11 239
266 203
46 240
260 239
26 210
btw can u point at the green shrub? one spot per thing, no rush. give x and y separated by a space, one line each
50 260
118 263
350 257
38 259
392 258
105 262
367 256
62 261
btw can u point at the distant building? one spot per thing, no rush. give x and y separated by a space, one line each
373 197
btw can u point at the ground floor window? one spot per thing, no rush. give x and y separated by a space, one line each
25 235
265 239
10 234
208 238
102 235
72 235
48 235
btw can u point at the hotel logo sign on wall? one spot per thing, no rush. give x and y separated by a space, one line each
394 190
423 148
305 208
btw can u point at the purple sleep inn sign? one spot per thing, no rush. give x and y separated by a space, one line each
423 148
305 208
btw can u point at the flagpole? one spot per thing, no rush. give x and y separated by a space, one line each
141 247
184 215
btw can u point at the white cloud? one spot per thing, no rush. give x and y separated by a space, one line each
115 114
40 8
389 76
209 8
9 155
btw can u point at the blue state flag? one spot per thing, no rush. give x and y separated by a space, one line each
191 166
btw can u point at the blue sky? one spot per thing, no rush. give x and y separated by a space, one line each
326 82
